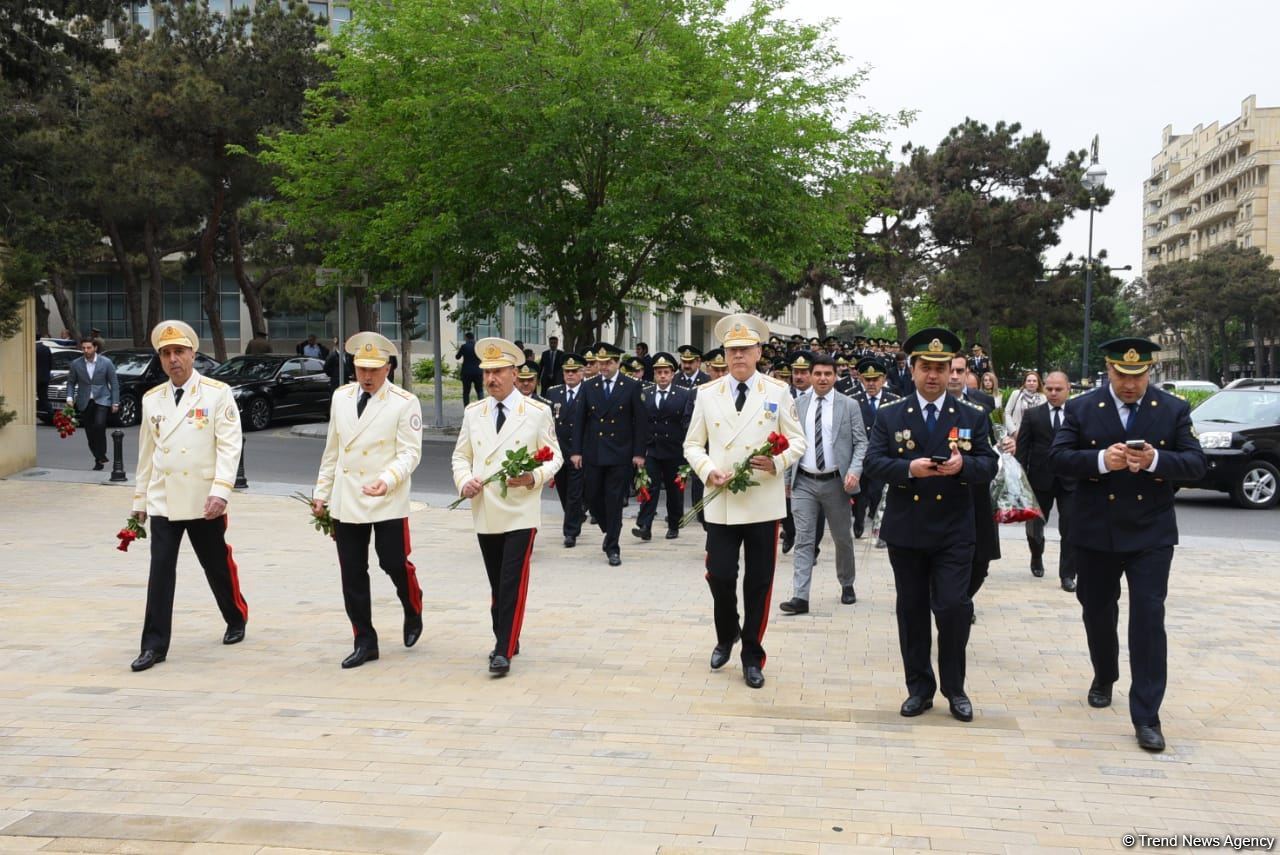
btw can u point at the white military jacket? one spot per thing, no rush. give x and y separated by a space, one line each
385 443
189 452
480 451
720 437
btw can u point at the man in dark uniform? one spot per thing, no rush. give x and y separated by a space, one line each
871 398
928 449
669 408
845 384
1035 436
691 374
527 382
551 365
986 547
567 410
609 439
1127 445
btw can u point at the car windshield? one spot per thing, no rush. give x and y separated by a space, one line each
130 364
1241 406
62 359
248 368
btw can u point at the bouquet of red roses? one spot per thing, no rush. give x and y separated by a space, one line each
640 485
132 531
1012 498
322 521
518 462
66 421
741 478
683 474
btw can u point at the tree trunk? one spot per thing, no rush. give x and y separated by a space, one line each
132 293
899 311
155 290
819 313
364 311
1259 350
209 273
250 290
65 307
1225 368
42 317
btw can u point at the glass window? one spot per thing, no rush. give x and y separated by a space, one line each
141 16
388 312
530 326
339 17
101 303
490 326
319 10
220 7
289 328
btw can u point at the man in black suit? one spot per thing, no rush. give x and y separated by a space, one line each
1127 445
986 547
566 406
1035 436
470 371
691 375
642 354
928 449
668 407
551 365
870 398
609 441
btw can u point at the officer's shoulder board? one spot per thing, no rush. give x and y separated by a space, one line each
403 394
972 405
556 388
773 380
475 405
345 386
154 389
537 403
892 403
213 384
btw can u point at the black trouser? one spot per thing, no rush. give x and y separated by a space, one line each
569 489
758 544
695 495
1035 530
934 580
208 539
42 399
662 476
506 561
93 419
391 543
1098 590
866 500
606 488
469 381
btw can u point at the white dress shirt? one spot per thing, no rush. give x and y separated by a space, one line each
1123 414
509 405
809 463
90 365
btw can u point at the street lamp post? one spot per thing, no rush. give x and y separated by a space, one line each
1094 178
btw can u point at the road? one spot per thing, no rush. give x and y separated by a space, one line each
277 456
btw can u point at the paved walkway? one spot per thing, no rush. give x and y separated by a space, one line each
611 730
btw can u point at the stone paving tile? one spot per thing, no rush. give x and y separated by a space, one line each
611 730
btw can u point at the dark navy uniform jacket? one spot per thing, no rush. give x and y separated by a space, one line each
928 513
611 431
868 417
566 416
1126 511
668 423
698 379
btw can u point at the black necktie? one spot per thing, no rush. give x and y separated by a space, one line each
608 389
360 405
873 404
1057 418
502 417
742 397
662 398
570 399
818 456
177 396
1128 419
931 421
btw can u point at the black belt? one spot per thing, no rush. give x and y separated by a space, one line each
820 476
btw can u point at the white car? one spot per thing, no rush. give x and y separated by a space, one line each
1189 386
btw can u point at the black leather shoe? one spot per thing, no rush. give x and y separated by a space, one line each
794 606
359 656
146 659
499 665
614 559
591 520
98 465
233 635
1099 694
412 630
915 705
857 530
1037 566
961 708
1149 737
673 533
787 543
1069 583
720 655
570 542
753 676
848 596
642 533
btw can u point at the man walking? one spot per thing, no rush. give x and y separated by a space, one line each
551 365
94 390
870 398
189 442
834 444
373 445
506 516
1127 445
566 408
469 371
1035 436
733 417
668 408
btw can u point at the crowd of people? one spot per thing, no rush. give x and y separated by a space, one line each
778 443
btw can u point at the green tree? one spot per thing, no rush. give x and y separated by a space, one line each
587 154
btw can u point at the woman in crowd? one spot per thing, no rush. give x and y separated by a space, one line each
991 386
1030 394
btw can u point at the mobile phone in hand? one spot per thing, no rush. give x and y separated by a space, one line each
940 458
1135 444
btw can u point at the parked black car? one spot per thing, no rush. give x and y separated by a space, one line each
1239 430
61 357
272 386
139 370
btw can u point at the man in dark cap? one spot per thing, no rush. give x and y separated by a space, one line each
1126 446
690 375
927 449
871 398
566 408
668 408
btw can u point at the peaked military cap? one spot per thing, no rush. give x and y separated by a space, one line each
933 344
1129 355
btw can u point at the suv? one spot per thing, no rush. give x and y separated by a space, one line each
138 370
1240 432
62 355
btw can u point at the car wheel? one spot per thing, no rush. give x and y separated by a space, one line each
1258 486
129 414
257 416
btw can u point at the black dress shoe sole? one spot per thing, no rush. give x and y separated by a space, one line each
788 609
753 682
920 710
233 637
411 639
615 561
673 534
1069 585
156 661
570 543
350 662
962 715
1153 743
643 534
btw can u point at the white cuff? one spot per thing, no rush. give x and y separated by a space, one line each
1102 462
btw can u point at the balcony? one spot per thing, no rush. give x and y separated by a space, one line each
1216 211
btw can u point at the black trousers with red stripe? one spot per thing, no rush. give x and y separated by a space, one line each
506 560
758 544
208 539
391 542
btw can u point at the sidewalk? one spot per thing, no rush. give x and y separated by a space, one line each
611 732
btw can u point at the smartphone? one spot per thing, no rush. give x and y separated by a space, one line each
940 458
1136 444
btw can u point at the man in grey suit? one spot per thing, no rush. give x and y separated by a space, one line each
94 390
835 442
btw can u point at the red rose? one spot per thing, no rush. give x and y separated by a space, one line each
544 454
778 443
126 537
643 496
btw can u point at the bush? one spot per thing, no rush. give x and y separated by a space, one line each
424 370
1195 397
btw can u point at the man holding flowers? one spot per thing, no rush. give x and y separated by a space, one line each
505 453
743 435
